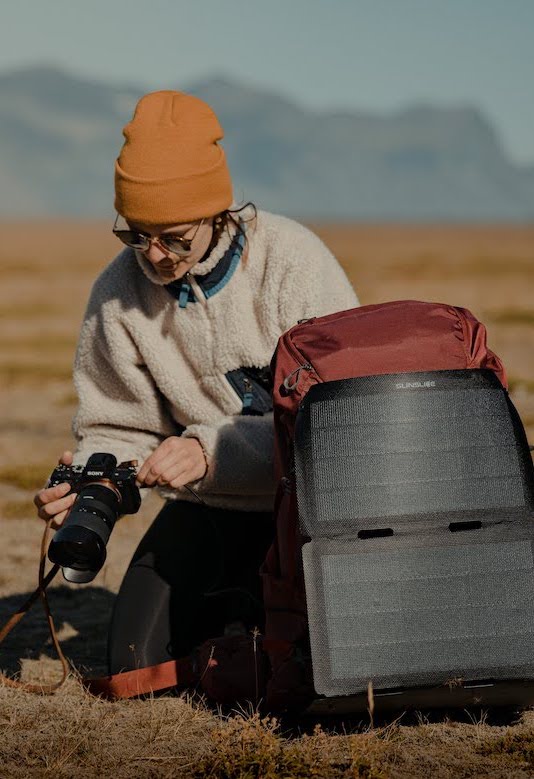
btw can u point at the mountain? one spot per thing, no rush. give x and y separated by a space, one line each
60 135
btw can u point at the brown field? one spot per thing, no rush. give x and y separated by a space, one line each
46 272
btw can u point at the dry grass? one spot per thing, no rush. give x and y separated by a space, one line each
26 476
71 734
251 746
513 316
431 266
34 372
41 343
67 400
42 298
28 311
516 383
17 509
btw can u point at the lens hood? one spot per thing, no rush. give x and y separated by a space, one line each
79 551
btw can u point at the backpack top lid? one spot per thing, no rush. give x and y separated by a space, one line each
401 336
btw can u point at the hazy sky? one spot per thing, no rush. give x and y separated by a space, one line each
354 54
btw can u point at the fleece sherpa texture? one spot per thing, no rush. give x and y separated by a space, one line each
144 366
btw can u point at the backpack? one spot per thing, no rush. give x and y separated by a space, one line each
368 344
400 337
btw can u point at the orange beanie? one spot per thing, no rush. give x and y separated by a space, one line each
171 168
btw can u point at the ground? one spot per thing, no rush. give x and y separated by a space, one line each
46 270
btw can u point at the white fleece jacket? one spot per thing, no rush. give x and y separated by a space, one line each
145 366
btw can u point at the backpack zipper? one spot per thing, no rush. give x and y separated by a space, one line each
302 362
291 385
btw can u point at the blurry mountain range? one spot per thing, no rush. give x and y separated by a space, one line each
60 135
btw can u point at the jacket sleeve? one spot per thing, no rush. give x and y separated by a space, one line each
240 449
120 409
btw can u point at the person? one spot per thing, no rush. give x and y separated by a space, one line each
172 369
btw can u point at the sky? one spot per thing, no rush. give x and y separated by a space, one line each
377 55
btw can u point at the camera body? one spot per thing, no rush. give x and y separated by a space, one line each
105 491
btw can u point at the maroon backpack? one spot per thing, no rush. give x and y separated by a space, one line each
397 337
388 338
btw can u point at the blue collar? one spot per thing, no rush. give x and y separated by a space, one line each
216 279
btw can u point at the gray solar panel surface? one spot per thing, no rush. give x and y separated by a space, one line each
424 604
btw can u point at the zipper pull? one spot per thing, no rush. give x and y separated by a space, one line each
248 397
291 385
184 292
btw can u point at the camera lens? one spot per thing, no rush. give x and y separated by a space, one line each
79 547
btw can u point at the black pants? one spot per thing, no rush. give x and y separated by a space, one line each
194 572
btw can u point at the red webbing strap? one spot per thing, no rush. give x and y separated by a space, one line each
173 673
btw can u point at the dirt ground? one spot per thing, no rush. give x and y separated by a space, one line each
46 271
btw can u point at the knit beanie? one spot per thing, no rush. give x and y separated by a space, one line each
171 168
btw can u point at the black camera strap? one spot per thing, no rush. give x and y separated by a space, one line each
40 592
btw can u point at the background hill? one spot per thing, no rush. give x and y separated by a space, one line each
60 134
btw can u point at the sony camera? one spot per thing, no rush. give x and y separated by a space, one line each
105 491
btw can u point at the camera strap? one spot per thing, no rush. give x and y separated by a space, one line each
40 592
181 672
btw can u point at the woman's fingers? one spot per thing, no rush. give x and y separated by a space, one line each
188 470
176 461
55 507
175 475
59 519
49 494
171 461
56 501
171 448
150 464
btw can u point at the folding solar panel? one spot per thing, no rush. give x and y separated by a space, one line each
416 502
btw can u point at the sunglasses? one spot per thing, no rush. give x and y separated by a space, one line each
175 244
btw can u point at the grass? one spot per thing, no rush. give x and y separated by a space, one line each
520 383
30 311
72 734
40 343
18 509
34 372
25 476
70 398
512 316
254 747
13 267
502 265
428 266
517 744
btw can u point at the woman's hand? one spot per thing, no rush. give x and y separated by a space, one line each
54 501
177 461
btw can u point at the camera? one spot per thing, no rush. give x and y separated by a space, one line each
105 490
